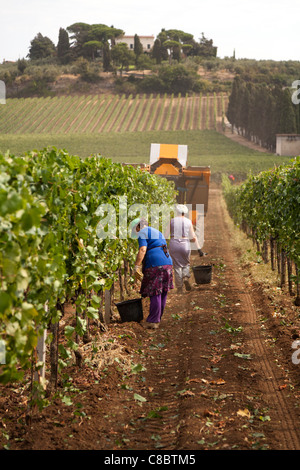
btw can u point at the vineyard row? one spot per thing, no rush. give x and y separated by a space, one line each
113 113
51 253
266 207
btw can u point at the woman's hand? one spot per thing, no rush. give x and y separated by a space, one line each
137 273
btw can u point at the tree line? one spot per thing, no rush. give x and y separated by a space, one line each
259 111
99 41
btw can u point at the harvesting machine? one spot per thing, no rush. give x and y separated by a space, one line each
191 182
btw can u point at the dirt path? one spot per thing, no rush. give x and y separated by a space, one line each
242 140
271 363
218 374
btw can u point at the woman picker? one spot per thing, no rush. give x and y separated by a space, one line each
181 233
154 266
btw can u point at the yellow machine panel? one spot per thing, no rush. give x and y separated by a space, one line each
168 151
166 169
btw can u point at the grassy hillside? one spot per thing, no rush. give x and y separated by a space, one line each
206 147
123 128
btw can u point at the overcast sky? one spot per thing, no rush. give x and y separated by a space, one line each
255 29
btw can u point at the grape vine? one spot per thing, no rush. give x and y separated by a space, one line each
266 206
50 252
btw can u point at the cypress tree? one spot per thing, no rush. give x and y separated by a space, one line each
63 47
297 109
287 121
298 105
251 119
137 47
106 57
232 110
244 110
261 112
270 125
156 51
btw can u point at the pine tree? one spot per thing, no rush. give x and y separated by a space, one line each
41 47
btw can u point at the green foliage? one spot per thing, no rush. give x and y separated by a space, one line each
122 56
22 64
88 39
180 44
41 47
204 48
50 245
157 52
138 47
63 47
268 204
177 79
92 47
151 84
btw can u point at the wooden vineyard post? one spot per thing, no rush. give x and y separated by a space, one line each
121 285
41 357
41 354
54 328
283 268
107 305
278 258
290 273
297 301
100 310
125 275
272 253
265 251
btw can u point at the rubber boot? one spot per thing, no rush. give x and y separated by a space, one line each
153 326
187 284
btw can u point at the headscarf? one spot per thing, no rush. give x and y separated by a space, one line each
182 209
133 225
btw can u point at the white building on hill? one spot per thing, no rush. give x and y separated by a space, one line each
146 41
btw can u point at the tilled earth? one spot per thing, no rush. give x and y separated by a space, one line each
217 375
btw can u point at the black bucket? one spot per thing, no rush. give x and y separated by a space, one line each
202 274
130 310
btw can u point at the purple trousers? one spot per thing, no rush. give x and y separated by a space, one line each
157 305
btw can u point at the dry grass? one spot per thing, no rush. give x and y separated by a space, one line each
105 350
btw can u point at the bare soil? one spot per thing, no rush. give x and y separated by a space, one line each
217 374
240 139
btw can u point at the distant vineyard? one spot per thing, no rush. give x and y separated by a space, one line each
113 113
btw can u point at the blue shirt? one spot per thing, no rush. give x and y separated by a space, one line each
153 240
